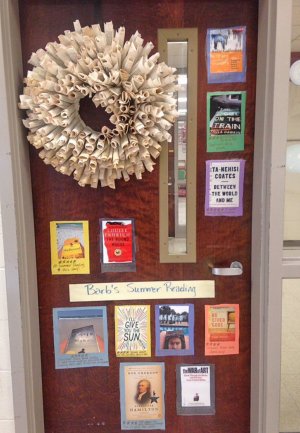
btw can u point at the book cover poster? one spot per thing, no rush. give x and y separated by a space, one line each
70 252
174 329
222 329
195 389
224 187
117 245
225 121
142 390
226 55
132 330
80 337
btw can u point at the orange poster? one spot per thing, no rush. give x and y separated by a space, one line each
222 329
226 55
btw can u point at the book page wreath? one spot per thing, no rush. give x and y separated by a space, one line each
119 76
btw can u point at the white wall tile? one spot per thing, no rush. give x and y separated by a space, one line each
5 364
7 426
6 406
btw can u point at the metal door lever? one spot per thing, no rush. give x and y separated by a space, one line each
236 268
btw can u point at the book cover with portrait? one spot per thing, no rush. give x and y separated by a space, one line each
132 330
142 389
174 329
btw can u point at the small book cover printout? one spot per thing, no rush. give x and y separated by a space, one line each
70 252
142 390
132 330
224 188
195 389
225 121
222 329
174 329
226 55
80 337
117 245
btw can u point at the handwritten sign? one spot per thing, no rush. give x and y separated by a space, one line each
142 290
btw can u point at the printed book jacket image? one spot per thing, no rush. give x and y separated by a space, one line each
70 247
132 330
174 329
142 389
222 329
80 337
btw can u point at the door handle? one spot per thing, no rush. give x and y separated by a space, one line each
236 268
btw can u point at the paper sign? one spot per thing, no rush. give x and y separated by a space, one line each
80 337
195 389
224 187
226 55
174 329
225 121
142 389
90 292
132 330
222 329
117 245
70 247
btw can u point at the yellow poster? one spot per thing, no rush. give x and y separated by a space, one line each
132 330
70 252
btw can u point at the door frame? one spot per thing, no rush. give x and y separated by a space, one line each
274 25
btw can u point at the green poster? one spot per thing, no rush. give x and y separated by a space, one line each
225 121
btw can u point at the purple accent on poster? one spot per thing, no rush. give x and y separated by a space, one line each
174 329
224 187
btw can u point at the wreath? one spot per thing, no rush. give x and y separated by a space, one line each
136 90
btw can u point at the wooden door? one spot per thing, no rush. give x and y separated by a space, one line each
87 399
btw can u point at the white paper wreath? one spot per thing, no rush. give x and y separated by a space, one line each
135 89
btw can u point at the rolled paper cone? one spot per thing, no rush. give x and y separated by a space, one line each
54 162
100 41
65 114
120 36
85 178
113 119
124 141
69 127
105 130
148 163
126 176
124 75
101 142
83 90
116 131
108 109
156 145
85 132
101 173
112 99
95 178
78 172
137 81
143 152
55 111
109 32
115 79
132 109
90 147
102 137
147 49
116 91
116 158
72 142
115 142
124 108
46 129
127 85
77 150
154 152
165 124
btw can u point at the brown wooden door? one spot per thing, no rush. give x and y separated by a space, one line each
87 399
